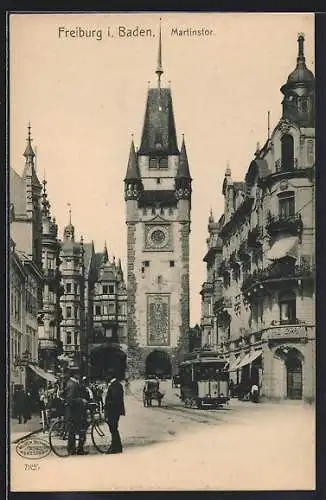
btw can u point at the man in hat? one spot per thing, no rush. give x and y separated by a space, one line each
76 415
113 408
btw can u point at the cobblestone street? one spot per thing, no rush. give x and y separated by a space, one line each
244 446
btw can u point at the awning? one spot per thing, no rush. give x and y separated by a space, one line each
43 374
249 358
234 366
283 247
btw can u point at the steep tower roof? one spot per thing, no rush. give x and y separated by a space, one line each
183 169
159 134
29 170
132 168
69 230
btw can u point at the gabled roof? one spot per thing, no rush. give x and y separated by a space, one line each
159 126
17 193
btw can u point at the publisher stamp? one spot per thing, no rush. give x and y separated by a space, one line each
33 449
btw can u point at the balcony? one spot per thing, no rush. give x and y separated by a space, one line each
288 332
280 271
286 165
207 287
223 303
291 224
51 274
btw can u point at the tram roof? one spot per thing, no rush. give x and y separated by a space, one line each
205 360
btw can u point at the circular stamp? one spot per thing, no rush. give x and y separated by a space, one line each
33 448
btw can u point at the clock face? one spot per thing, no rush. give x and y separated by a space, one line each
158 237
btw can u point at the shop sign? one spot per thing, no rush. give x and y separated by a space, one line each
287 332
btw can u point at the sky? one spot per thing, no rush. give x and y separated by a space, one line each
85 97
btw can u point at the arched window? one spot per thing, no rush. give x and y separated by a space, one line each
287 148
287 305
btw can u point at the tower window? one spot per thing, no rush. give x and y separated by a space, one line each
76 312
287 147
105 289
68 312
171 263
159 279
76 338
163 163
158 181
287 305
68 287
146 263
153 163
111 289
286 205
162 211
76 287
97 310
68 338
153 211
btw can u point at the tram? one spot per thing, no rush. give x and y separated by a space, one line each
204 381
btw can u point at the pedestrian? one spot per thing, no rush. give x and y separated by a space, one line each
231 388
76 414
113 408
127 386
19 403
27 413
89 394
254 393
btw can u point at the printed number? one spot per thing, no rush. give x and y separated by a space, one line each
32 467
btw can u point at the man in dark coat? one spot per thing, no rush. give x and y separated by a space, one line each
113 408
76 415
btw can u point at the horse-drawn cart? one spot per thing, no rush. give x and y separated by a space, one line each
151 391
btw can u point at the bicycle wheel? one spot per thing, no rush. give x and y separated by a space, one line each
58 438
101 436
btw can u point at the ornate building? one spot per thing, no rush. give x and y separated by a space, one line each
93 306
264 323
109 334
50 314
158 204
26 279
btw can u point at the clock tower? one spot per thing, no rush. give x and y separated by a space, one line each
158 205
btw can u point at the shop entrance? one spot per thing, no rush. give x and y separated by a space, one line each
294 376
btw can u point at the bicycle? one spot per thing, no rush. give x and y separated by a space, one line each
97 427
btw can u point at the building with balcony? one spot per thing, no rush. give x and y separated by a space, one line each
50 312
107 345
26 278
264 323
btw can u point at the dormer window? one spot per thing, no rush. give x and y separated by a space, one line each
158 140
153 163
163 163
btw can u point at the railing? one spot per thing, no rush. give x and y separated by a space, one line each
275 272
286 165
289 223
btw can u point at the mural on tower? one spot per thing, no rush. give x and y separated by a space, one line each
158 320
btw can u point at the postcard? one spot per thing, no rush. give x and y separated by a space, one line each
162 259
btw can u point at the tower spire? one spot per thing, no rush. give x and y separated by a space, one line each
29 153
159 69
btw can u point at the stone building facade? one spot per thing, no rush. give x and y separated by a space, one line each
264 322
158 204
93 303
26 277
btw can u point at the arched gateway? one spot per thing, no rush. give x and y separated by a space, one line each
158 363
